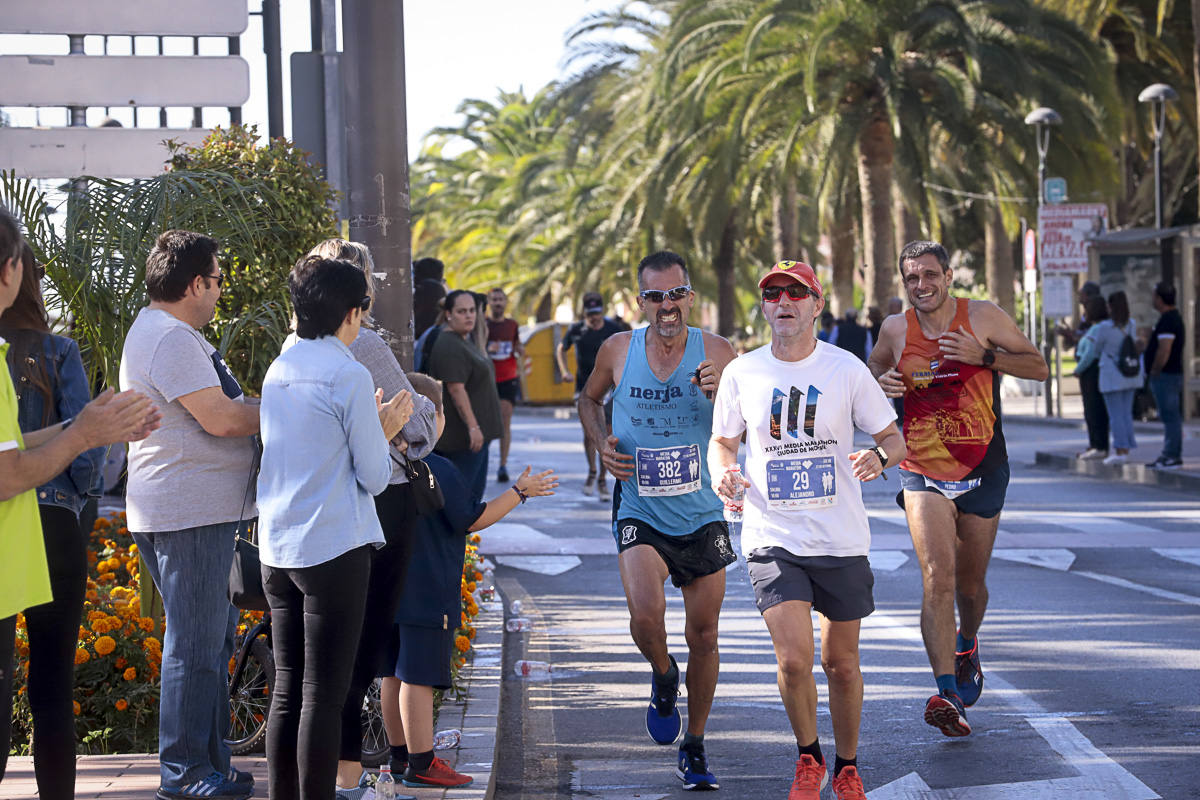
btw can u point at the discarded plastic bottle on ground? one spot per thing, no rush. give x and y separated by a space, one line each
515 608
445 740
531 669
518 624
734 506
385 784
487 586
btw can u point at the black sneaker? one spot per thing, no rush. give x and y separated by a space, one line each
663 722
693 771
502 475
1168 463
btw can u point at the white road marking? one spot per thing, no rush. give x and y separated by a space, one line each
1099 776
1188 555
1056 558
543 565
1137 587
513 538
888 560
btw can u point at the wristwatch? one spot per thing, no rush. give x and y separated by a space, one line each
989 357
881 454
66 423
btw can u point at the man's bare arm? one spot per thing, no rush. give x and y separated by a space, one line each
885 355
591 410
1162 353
1015 355
219 415
718 352
722 453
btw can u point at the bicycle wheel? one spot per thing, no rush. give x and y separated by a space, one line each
375 748
250 698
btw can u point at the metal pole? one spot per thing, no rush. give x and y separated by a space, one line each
273 50
197 111
335 134
376 143
1159 115
235 49
162 110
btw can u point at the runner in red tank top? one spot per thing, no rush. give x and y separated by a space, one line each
944 357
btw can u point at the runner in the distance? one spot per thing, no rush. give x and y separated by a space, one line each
586 336
805 533
944 356
507 354
666 520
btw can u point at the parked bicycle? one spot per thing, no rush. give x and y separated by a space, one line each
250 683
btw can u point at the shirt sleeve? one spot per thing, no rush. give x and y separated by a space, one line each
573 333
72 394
354 399
373 353
728 421
871 411
181 365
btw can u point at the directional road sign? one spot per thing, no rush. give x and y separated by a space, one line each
100 152
125 17
124 80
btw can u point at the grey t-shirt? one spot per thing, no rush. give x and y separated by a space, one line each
181 476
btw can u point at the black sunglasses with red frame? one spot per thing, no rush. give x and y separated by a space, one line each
795 291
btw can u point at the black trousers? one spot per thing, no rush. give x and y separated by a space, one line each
389 567
1095 414
53 633
316 617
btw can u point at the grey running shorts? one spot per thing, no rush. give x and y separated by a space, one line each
838 587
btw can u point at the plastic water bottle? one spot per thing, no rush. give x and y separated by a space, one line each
385 784
733 507
531 669
487 586
445 740
515 608
518 624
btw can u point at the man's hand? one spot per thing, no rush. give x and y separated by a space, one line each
706 378
476 438
866 465
962 347
111 417
892 383
726 488
395 412
620 465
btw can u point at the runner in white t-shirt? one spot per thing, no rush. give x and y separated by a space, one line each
805 533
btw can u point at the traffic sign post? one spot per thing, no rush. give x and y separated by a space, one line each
1056 190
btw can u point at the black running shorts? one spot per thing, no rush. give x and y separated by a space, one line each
690 556
985 500
838 587
509 390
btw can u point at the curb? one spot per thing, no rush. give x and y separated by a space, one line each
1190 429
1127 473
556 412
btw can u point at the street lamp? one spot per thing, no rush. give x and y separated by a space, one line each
1159 94
1042 119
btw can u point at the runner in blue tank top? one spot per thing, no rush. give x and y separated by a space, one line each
666 519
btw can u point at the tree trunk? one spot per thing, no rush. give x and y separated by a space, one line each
787 222
843 259
1196 56
999 266
876 149
726 279
545 309
907 229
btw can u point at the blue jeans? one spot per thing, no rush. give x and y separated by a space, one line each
1120 418
1166 389
190 567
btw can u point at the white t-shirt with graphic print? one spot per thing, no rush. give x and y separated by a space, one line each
799 418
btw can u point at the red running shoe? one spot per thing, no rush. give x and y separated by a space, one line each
439 774
810 779
848 786
946 713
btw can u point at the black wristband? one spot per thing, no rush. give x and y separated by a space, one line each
520 494
882 455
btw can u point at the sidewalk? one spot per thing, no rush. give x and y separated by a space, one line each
135 777
1029 410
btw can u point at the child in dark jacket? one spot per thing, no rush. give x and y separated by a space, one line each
431 606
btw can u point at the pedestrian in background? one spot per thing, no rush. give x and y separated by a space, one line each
428 291
1116 386
826 326
851 336
1095 415
1164 364
52 388
508 354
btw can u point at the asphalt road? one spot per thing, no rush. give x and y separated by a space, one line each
1091 651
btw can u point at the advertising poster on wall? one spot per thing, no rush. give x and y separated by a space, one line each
1064 231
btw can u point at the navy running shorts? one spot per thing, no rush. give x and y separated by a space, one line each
838 587
986 500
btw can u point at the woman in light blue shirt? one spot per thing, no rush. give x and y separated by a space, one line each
325 455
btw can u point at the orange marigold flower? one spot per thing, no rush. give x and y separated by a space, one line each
471 633
22 649
152 644
101 524
81 657
105 645
478 575
470 587
146 624
78 708
129 674
462 644
121 663
121 704
93 595
474 538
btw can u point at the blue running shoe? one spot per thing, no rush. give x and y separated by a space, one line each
663 722
693 771
968 675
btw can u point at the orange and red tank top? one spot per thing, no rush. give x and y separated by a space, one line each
951 410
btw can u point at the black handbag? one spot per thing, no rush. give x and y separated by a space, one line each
427 495
245 574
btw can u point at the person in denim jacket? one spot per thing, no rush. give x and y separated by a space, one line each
52 387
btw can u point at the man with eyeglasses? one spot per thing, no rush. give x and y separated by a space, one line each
944 356
805 533
586 336
190 485
665 520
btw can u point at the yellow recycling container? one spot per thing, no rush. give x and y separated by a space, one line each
543 385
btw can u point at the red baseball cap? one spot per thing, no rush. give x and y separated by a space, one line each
794 269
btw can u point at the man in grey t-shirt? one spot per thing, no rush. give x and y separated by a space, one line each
189 487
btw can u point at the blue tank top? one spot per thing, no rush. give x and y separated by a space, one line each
665 426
